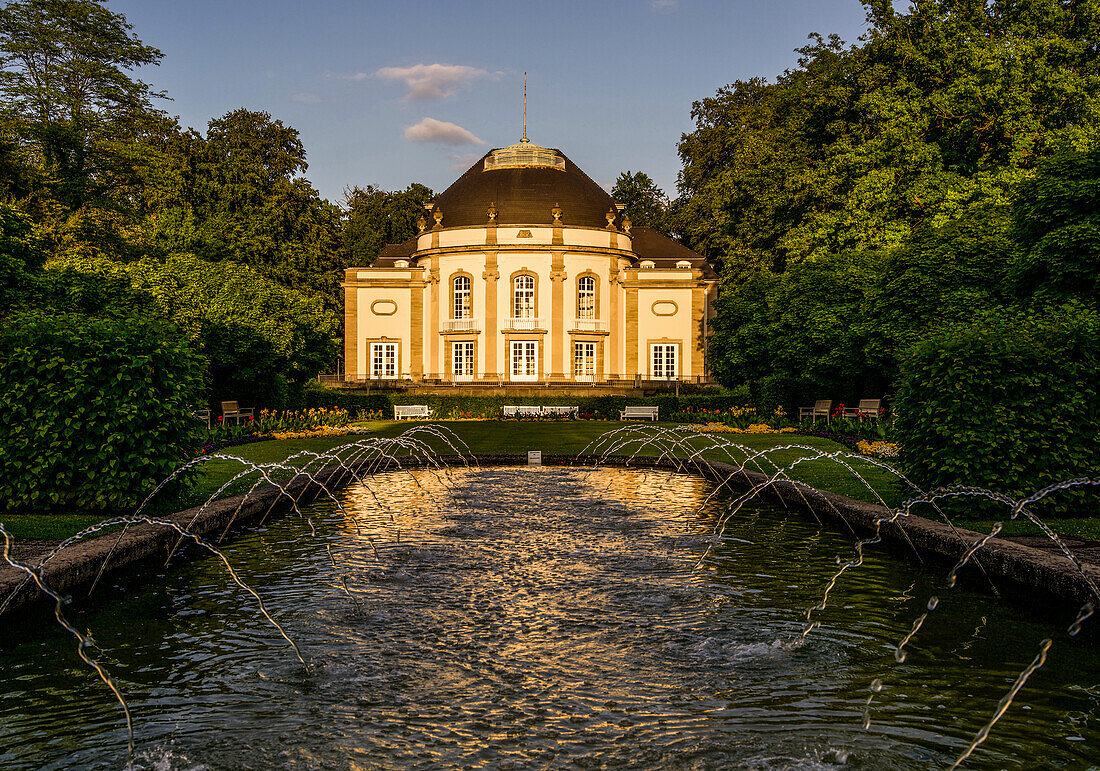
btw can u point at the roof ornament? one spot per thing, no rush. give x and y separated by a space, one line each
525 139
627 223
438 217
610 217
556 211
491 212
422 224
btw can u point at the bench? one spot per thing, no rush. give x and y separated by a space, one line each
533 410
233 410
204 416
821 409
868 408
562 412
630 413
411 411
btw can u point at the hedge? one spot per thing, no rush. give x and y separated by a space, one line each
1009 404
476 407
93 412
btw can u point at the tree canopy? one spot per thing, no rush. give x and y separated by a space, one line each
940 109
646 204
377 217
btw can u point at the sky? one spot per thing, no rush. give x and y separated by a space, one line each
391 93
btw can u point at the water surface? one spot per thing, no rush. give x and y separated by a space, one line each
544 618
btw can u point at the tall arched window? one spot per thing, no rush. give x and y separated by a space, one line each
462 297
523 297
586 297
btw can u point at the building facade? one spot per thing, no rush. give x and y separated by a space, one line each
526 271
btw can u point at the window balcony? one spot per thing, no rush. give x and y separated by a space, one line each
461 325
525 324
590 325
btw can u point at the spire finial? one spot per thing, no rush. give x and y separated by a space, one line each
525 139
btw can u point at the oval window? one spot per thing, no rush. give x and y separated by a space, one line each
383 307
664 308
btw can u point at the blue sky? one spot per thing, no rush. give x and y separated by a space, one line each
389 93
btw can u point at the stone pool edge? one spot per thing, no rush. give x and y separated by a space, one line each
1036 577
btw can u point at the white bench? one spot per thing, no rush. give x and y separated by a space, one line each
649 413
514 410
402 411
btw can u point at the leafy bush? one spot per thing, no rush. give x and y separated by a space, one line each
94 412
1009 403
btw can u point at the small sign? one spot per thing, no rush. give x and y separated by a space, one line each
534 458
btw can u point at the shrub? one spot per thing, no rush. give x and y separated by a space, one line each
1008 403
93 412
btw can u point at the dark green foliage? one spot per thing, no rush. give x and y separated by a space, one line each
378 217
1057 223
941 275
94 412
646 204
796 337
20 256
1010 403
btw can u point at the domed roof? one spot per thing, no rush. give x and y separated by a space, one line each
524 182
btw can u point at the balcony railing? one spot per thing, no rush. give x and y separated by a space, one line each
525 324
461 325
590 325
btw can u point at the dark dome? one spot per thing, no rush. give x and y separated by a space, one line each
525 194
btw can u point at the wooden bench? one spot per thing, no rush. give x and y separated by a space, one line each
868 408
411 411
233 410
822 409
630 413
204 416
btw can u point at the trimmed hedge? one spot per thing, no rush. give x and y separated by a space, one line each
476 407
93 412
1010 403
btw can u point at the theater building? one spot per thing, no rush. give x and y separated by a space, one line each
526 272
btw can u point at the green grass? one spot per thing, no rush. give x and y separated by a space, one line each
1076 527
565 437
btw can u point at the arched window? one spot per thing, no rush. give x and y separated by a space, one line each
586 297
523 297
462 297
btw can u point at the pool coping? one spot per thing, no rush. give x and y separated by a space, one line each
1022 574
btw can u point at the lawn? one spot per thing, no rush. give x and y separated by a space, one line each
565 437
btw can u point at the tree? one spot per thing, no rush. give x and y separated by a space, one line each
68 93
1056 217
376 217
646 203
941 109
235 195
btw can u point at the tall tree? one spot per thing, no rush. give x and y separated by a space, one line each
942 108
68 93
646 203
377 217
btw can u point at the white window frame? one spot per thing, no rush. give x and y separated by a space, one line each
463 359
463 297
523 297
584 361
586 297
524 367
383 361
664 361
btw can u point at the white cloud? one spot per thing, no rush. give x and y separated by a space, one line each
664 6
432 130
305 97
432 81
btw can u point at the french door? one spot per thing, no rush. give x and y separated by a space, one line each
664 361
584 362
383 361
524 358
462 360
